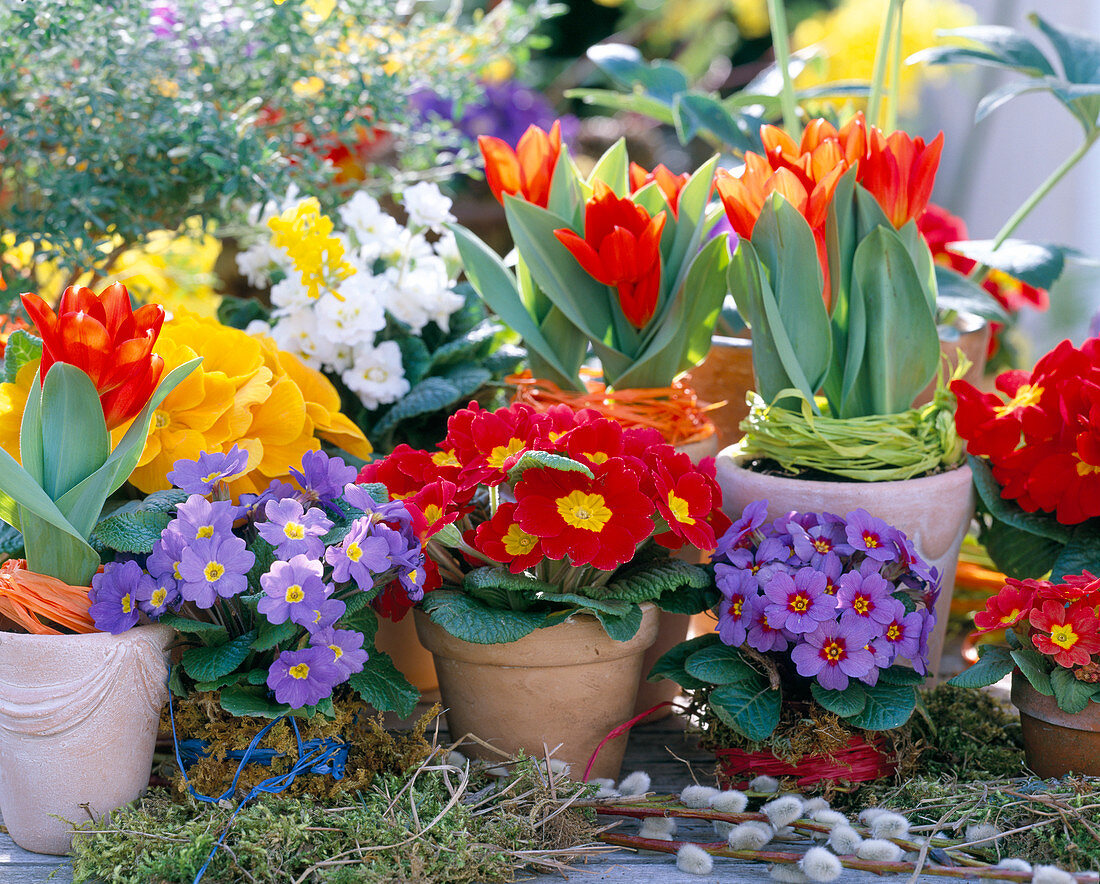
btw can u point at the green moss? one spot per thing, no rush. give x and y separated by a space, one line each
968 735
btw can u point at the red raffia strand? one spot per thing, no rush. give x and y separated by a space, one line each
622 729
676 412
859 762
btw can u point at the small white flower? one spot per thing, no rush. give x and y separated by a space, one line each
730 801
659 828
869 814
446 247
692 859
427 206
259 261
636 783
845 840
1014 864
722 829
820 865
697 796
830 818
764 783
889 825
787 874
750 835
1050 875
258 327
456 759
783 811
877 850
377 375
982 832
288 296
812 804
297 333
376 231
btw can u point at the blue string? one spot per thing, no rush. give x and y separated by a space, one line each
319 756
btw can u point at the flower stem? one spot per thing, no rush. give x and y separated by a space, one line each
882 53
894 96
781 44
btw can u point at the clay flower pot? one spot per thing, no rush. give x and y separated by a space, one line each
1056 742
78 720
414 661
726 375
934 511
567 684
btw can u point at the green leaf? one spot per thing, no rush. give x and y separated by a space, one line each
265 558
671 664
888 706
611 169
1003 47
1037 264
22 347
901 675
11 542
1082 553
270 635
719 664
619 628
74 434
546 460
470 620
1071 695
688 600
415 358
611 607
382 685
846 703
202 628
1009 511
625 65
475 344
468 379
1036 669
431 395
635 102
749 707
961 294
644 581
227 679
131 532
1078 51
994 664
212 661
242 702
696 112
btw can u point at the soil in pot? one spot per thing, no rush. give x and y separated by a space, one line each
567 684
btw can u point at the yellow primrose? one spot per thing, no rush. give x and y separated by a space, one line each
13 399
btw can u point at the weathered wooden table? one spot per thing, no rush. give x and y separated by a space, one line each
661 749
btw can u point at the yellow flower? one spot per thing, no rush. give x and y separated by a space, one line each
246 392
751 17
305 234
847 37
13 399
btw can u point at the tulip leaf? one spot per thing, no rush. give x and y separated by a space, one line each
30 432
690 223
499 290
612 169
566 198
72 421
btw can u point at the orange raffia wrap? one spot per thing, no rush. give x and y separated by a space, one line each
26 597
675 412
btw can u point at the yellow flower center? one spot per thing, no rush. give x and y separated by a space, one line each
205 531
822 545
127 604
581 510
294 594
446 459
870 540
1008 618
161 419
893 632
299 671
833 652
211 477
294 530
213 571
412 575
158 597
337 650
736 606
830 587
176 571
1084 468
502 452
1064 636
861 604
596 456
1027 395
433 513
354 552
680 510
518 542
799 603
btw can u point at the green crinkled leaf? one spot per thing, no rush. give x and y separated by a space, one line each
363 621
1082 553
242 702
611 607
415 358
481 579
1071 695
749 707
1036 669
671 664
468 379
11 542
719 664
621 628
474 345
203 628
1019 553
430 395
22 347
209 662
383 686
269 635
1008 510
650 581
228 679
131 532
689 600
888 706
546 460
470 620
265 558
901 675
846 703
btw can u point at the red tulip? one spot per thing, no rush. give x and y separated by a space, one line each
106 339
526 171
669 183
621 247
899 172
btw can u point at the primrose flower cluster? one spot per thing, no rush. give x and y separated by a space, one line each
583 503
843 597
297 558
337 320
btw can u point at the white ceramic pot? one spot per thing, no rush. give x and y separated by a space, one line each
78 721
934 511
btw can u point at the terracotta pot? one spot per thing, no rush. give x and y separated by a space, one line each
78 720
971 334
401 642
934 511
725 376
567 684
1055 742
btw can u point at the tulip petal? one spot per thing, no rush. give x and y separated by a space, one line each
584 253
502 170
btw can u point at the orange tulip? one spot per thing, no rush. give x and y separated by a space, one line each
899 172
105 338
526 171
621 248
670 184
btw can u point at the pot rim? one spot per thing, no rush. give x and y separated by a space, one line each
960 475
1043 708
534 650
145 630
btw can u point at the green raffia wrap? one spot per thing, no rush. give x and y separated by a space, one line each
874 448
